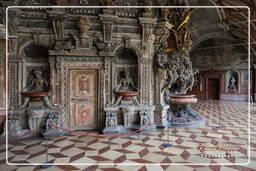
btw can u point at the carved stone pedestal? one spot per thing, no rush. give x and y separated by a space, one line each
128 112
111 126
160 112
36 117
14 124
128 117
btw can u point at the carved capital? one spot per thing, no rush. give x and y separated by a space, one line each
108 21
147 25
58 18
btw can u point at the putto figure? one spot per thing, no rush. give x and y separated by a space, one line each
125 82
37 83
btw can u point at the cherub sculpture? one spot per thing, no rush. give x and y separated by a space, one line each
125 82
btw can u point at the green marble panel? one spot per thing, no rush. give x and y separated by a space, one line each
38 24
126 30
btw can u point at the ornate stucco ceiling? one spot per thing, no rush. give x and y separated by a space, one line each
205 23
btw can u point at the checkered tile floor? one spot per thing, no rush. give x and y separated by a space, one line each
141 150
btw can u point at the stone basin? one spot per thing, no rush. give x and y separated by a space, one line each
183 99
35 96
127 95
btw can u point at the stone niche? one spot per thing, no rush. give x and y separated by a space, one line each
126 113
126 60
34 110
232 82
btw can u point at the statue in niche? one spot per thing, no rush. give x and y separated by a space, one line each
125 82
36 83
232 85
83 25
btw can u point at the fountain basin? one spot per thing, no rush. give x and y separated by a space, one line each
127 95
183 99
35 96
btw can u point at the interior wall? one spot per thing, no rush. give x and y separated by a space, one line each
2 84
217 58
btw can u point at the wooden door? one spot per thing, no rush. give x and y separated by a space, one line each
83 99
213 88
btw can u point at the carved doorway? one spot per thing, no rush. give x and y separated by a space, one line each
83 99
213 88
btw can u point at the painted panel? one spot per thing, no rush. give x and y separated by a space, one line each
83 99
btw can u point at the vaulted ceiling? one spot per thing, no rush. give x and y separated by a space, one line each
231 22
205 23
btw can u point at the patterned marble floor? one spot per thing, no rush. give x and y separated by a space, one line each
139 151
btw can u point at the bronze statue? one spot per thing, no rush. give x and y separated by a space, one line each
186 18
183 26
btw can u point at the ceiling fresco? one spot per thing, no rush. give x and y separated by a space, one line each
218 53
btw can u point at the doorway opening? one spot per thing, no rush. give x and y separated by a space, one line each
213 88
